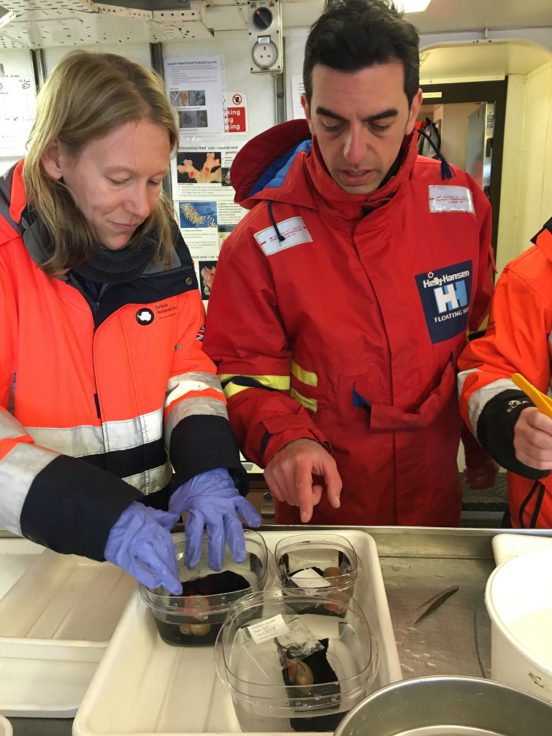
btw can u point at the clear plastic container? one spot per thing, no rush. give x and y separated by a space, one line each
195 617
288 669
325 565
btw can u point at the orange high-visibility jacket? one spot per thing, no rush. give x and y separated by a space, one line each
518 340
338 317
97 401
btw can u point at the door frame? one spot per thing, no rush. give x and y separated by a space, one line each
496 92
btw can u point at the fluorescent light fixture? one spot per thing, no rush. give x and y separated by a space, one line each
412 6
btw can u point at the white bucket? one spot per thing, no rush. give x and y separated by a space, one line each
518 597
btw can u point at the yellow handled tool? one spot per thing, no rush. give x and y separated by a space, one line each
540 400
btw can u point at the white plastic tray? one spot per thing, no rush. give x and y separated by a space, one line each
146 687
57 613
507 546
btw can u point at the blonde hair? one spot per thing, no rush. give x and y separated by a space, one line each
85 97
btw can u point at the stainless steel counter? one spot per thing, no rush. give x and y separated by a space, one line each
416 564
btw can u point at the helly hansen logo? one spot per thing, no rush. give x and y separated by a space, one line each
144 316
451 297
445 295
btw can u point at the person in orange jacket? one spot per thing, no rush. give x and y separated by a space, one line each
343 297
112 420
503 417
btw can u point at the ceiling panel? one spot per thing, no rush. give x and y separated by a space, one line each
42 30
450 63
86 21
470 15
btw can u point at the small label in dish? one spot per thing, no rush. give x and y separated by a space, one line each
309 578
267 629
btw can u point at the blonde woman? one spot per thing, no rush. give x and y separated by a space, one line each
110 412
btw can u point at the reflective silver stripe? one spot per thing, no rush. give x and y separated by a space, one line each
179 386
10 427
480 398
18 469
190 407
461 377
109 437
183 384
151 480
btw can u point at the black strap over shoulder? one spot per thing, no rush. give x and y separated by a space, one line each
5 199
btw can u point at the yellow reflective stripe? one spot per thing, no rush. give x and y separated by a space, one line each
231 389
281 383
311 404
308 377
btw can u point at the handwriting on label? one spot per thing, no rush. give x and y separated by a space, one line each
268 628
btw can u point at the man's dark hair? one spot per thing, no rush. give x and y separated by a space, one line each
353 34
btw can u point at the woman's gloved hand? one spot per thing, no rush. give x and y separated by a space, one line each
213 502
140 543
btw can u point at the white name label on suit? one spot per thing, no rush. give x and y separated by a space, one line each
293 231
448 198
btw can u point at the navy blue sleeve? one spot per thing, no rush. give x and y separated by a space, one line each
72 505
495 431
200 443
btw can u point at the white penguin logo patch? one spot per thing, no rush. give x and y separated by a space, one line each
144 316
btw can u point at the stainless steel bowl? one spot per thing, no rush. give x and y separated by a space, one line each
448 706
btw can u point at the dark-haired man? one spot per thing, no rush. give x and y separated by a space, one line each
343 297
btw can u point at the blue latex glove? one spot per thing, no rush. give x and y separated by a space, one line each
140 543
213 502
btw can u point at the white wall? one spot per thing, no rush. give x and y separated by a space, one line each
513 166
294 40
536 190
454 131
526 197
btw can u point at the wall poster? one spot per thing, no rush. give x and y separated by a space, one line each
194 86
204 202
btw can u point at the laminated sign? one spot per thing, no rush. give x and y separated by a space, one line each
234 114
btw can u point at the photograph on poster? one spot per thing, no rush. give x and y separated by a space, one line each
197 214
224 231
193 167
225 177
192 119
206 277
187 97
